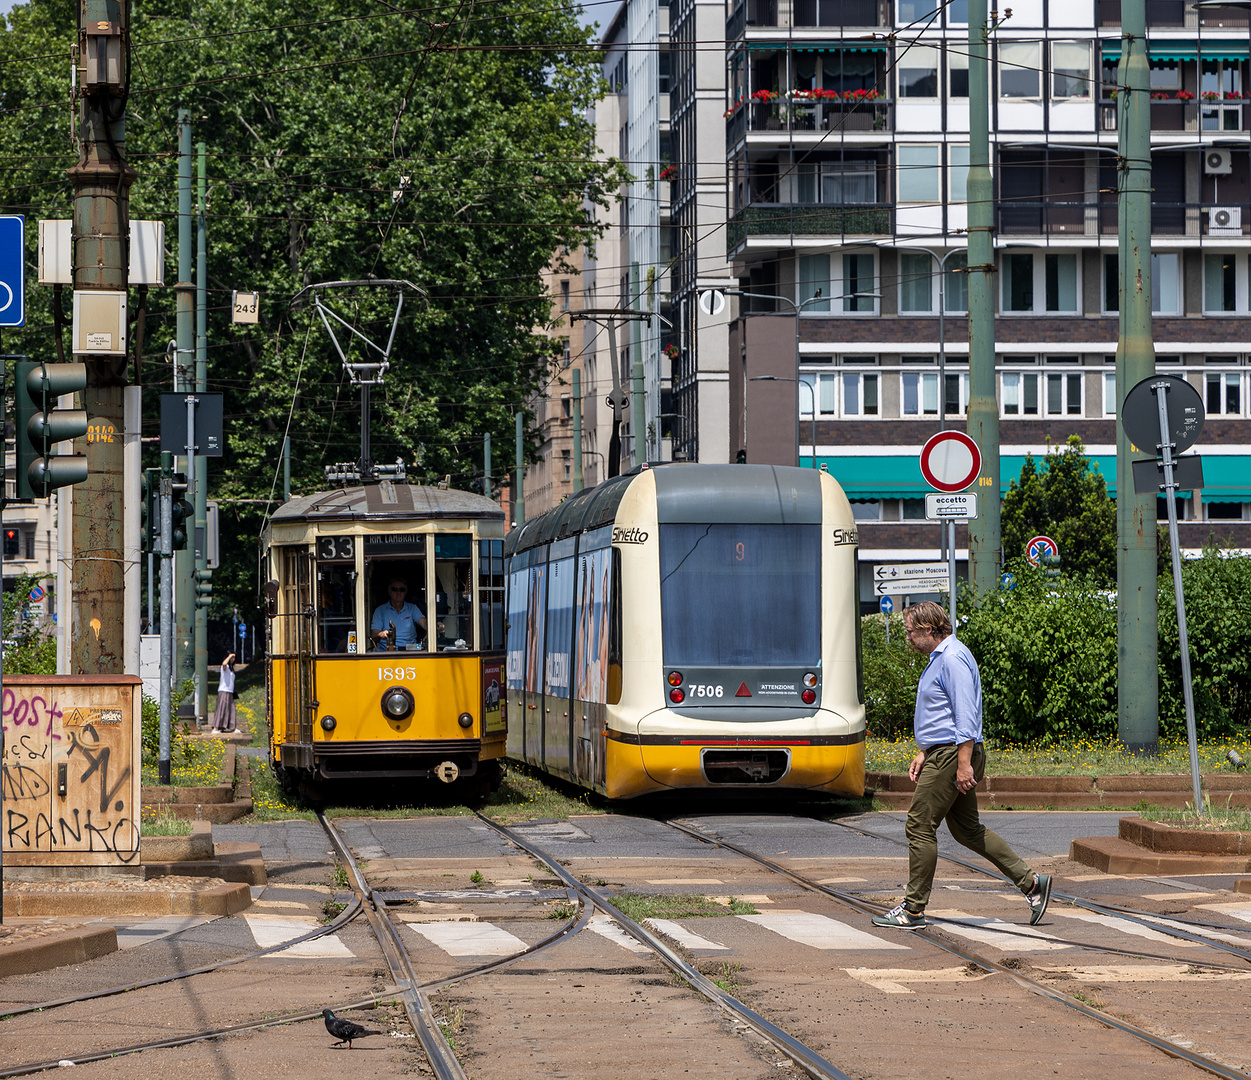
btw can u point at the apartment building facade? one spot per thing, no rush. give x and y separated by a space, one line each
847 153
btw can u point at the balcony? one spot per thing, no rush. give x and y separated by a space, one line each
1053 217
785 220
800 114
841 14
1170 115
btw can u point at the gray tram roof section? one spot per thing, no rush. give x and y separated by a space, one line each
387 500
686 493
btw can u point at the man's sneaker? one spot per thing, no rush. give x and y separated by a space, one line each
900 918
1038 897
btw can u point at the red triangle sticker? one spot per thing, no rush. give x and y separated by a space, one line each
742 691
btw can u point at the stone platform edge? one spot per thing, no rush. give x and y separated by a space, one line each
1156 847
219 898
76 945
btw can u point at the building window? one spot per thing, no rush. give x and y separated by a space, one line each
957 73
911 509
1018 282
859 389
1070 69
1019 69
844 393
1220 283
1064 394
1223 388
564 296
1057 287
1220 511
1019 393
1165 75
1109 391
1060 275
916 282
918 72
1165 283
858 283
838 183
956 283
866 509
918 173
566 462
814 279
566 406
919 391
958 182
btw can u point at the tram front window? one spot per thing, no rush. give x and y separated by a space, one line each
453 596
393 588
740 595
336 609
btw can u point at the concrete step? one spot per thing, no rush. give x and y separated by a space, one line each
1112 855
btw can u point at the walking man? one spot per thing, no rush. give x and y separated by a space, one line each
947 725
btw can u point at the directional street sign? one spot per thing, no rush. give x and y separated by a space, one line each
886 604
1039 546
937 583
903 572
950 461
959 506
12 270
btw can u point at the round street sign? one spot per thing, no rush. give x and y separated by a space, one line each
886 604
950 461
1040 546
1140 415
712 301
37 593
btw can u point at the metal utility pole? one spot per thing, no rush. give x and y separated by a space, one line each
184 561
199 534
638 412
167 611
519 481
984 532
101 179
1137 644
577 429
286 470
486 465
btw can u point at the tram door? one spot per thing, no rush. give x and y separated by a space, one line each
300 702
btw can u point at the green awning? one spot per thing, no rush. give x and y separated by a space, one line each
1172 50
1227 477
1182 50
1224 50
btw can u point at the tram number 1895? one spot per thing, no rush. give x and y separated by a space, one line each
396 674
705 690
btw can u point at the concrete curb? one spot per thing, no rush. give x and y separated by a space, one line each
235 862
1154 847
225 898
74 946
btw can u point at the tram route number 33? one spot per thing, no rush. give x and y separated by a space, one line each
705 690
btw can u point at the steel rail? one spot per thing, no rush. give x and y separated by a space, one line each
1142 918
977 959
803 1056
341 920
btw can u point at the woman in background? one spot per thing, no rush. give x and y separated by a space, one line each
224 716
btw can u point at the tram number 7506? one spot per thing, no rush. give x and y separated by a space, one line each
706 690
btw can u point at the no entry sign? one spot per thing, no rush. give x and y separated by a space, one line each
950 461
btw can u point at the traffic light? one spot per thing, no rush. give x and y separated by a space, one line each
183 513
150 510
12 543
40 425
203 587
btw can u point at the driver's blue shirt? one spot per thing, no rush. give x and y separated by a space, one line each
405 620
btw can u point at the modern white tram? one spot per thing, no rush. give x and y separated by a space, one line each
689 626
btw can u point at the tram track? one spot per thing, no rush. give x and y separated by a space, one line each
973 957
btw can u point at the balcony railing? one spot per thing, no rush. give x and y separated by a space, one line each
845 14
1054 217
808 219
804 115
1176 14
1184 116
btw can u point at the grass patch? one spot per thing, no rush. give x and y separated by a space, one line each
682 906
192 763
163 823
1081 757
728 976
1215 818
562 911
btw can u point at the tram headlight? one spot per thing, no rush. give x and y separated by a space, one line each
677 696
328 723
465 720
398 703
810 680
675 678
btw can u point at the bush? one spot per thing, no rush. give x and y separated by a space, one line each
1217 589
150 725
1047 654
891 673
28 650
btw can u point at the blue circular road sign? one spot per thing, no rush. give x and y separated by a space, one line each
887 605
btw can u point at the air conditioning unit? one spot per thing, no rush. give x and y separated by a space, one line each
1218 162
1225 221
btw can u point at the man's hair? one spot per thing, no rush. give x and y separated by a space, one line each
930 616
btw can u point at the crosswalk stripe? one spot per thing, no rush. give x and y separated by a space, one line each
1008 937
891 980
150 930
819 931
461 939
1199 931
269 930
688 939
606 928
1126 927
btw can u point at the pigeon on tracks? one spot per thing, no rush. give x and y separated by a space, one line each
345 1030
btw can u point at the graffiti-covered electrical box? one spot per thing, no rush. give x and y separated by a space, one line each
71 770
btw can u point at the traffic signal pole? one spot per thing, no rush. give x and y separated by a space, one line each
166 551
184 561
200 532
101 178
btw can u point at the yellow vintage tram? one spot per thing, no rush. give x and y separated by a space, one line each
348 702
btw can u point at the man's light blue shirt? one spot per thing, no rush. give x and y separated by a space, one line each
949 697
405 620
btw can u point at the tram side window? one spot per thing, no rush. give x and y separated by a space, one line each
336 608
490 594
453 597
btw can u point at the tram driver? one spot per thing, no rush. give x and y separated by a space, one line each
397 614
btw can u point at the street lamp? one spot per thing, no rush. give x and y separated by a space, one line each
811 390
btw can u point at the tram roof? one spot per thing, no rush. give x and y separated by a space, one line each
387 500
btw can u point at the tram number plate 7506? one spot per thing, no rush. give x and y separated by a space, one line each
396 674
707 690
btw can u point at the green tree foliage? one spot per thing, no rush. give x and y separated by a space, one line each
29 646
1217 589
891 672
1067 499
313 118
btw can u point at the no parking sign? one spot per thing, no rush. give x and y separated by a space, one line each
1040 546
